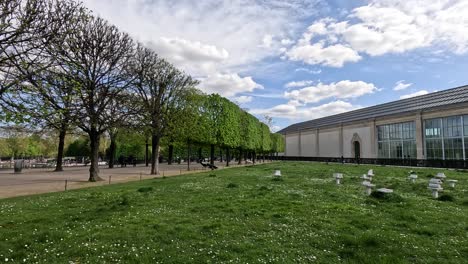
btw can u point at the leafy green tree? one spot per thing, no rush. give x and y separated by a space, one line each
266 140
78 148
278 143
191 125
130 143
229 127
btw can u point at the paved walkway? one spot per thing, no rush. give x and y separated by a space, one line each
35 181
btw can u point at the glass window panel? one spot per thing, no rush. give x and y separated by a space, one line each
453 148
396 149
466 148
395 131
386 132
452 126
432 128
409 149
434 148
383 150
397 140
465 124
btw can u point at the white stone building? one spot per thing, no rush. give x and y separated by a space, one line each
432 126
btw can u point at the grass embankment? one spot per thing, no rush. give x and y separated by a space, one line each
243 215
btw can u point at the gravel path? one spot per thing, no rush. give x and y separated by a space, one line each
35 181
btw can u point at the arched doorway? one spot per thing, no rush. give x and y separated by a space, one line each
356 147
357 150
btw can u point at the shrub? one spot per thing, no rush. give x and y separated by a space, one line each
124 200
387 197
446 198
232 185
212 175
145 189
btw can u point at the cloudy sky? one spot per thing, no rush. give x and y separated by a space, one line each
298 60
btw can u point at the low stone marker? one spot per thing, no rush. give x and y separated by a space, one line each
413 178
365 177
368 186
338 177
370 173
277 173
384 190
435 185
452 183
441 176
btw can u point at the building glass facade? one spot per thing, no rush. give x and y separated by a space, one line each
397 141
446 138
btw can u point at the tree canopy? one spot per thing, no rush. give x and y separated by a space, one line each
64 69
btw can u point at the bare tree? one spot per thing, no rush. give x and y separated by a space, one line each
26 26
159 87
39 90
94 58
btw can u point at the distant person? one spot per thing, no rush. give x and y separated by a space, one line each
122 161
132 160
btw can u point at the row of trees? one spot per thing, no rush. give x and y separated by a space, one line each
63 68
214 121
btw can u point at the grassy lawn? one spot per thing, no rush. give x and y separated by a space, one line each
243 216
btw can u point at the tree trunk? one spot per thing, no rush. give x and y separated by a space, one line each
220 155
155 157
228 158
61 147
239 160
212 149
188 155
200 154
263 157
171 154
254 156
147 153
94 138
112 149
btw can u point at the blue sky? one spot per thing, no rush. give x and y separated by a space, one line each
299 60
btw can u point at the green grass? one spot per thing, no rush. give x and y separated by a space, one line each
244 216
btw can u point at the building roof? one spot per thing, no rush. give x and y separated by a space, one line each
426 102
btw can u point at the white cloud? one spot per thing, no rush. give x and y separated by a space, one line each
243 99
342 90
308 70
275 128
401 85
210 39
382 27
286 42
267 41
304 113
195 57
333 56
299 84
228 85
422 92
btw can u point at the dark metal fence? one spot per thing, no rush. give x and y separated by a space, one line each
455 164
